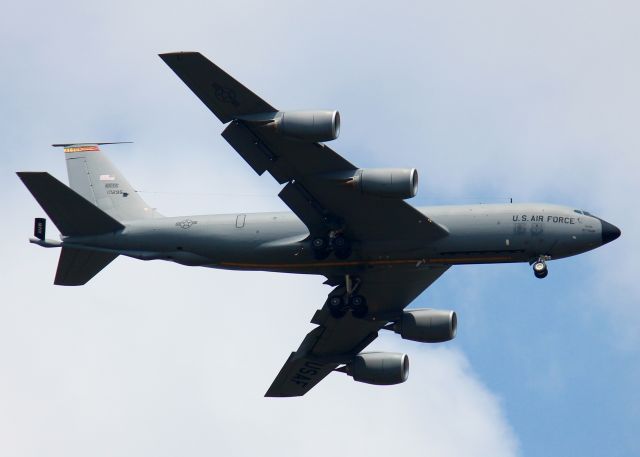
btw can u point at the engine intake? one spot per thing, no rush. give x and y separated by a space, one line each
308 125
399 183
379 368
427 325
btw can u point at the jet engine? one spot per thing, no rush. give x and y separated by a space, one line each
380 368
308 125
399 183
427 325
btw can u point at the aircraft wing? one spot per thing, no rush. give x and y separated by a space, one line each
321 202
336 341
319 190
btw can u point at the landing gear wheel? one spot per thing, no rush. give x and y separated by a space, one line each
319 243
336 307
342 247
540 269
340 242
358 306
541 275
320 248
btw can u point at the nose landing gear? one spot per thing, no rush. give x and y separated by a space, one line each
540 267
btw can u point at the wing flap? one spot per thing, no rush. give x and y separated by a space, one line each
304 206
241 140
366 217
255 152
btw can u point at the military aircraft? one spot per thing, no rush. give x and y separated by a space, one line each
349 224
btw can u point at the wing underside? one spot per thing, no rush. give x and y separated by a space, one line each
308 169
336 341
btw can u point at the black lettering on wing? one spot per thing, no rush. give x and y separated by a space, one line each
302 377
306 373
309 371
314 365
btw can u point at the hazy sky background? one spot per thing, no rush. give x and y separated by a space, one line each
489 100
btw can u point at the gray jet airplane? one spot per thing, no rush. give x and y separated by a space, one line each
349 224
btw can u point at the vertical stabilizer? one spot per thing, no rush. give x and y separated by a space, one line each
92 175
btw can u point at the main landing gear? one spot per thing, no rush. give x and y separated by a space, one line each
339 304
335 242
540 267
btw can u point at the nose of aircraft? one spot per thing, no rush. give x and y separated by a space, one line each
609 232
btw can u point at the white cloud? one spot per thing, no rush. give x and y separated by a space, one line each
153 359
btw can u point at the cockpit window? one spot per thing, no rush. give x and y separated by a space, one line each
586 213
577 211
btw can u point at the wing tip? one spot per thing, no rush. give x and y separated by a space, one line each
178 54
275 394
26 174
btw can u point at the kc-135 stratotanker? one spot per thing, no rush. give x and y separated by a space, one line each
349 224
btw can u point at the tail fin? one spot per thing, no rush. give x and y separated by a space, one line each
92 175
72 214
77 266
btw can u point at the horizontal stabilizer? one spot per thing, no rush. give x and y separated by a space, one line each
70 212
77 266
67 145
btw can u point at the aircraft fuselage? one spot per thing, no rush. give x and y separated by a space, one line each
494 233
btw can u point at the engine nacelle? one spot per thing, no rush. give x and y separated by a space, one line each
398 183
380 368
308 125
427 325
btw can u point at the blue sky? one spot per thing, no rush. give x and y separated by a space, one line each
538 102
